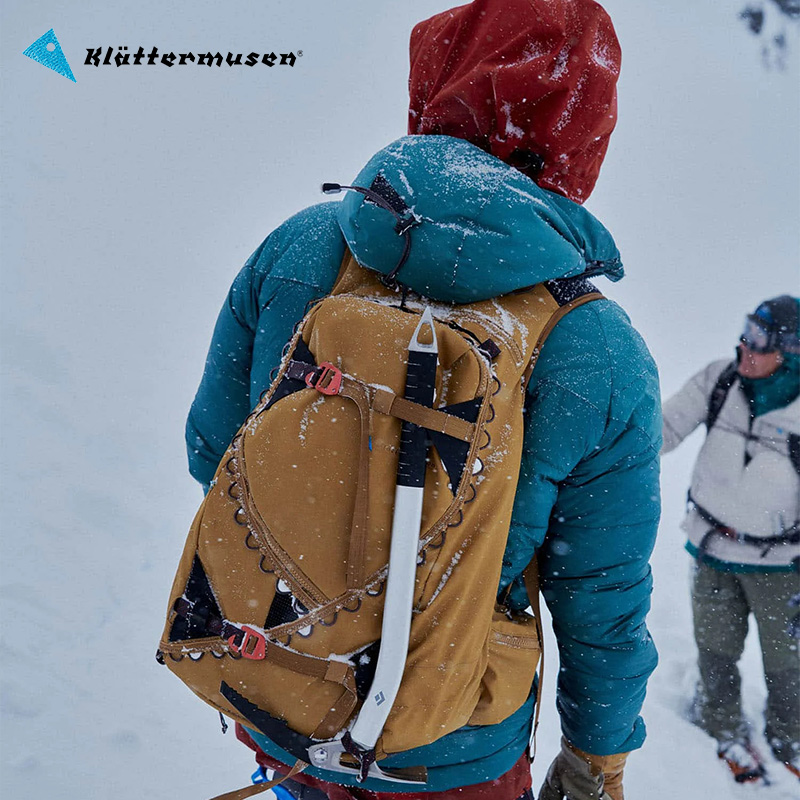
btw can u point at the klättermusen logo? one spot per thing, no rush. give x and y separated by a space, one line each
47 51
124 57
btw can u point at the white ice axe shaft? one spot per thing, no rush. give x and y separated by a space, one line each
396 625
399 597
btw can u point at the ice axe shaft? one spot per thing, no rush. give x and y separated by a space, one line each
361 739
396 626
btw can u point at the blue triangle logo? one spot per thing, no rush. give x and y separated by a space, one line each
47 51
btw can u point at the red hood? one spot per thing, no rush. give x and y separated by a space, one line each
521 75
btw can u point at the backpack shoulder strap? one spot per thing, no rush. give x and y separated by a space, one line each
717 399
569 293
794 451
719 393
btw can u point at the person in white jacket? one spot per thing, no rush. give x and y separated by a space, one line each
743 526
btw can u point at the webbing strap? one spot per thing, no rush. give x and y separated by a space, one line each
357 392
790 535
386 402
531 576
296 662
551 323
340 711
258 788
332 671
328 670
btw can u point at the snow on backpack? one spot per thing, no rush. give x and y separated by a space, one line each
387 447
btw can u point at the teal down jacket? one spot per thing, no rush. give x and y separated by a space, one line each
588 496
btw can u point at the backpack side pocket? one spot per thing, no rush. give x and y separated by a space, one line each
514 653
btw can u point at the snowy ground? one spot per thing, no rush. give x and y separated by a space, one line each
130 200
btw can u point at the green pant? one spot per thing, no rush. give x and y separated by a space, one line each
722 603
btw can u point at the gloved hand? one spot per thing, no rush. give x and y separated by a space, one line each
575 775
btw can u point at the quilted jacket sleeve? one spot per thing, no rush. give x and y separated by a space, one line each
588 501
688 407
295 264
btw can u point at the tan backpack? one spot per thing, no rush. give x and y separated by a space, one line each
275 615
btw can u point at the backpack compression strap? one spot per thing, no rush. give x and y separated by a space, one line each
328 379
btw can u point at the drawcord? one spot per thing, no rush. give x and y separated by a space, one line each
402 227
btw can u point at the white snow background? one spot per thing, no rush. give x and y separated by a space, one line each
130 200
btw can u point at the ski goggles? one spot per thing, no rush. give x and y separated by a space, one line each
757 337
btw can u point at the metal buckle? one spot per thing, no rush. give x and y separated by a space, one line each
326 378
253 646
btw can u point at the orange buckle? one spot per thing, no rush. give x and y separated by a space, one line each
253 646
326 379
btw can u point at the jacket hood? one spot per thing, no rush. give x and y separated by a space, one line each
484 228
534 82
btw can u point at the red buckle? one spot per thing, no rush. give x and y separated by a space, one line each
253 646
326 379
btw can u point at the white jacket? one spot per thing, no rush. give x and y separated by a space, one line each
743 476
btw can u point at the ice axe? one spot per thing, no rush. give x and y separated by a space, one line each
359 742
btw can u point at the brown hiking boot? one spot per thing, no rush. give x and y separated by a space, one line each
742 760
